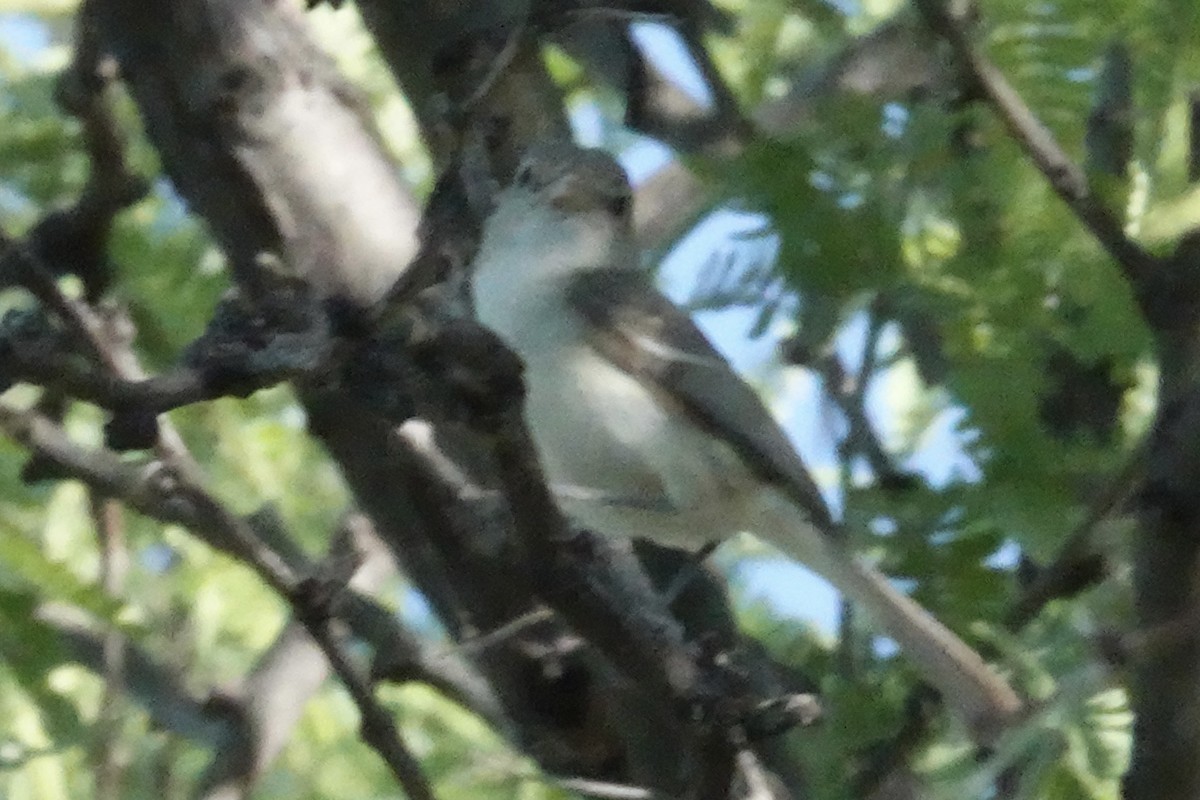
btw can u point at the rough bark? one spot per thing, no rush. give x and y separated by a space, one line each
253 126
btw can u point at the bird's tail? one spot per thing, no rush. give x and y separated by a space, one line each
969 686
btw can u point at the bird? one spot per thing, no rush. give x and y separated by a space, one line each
645 430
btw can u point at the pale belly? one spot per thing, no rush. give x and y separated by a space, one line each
620 464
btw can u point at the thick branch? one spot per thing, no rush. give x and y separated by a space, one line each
57 370
266 140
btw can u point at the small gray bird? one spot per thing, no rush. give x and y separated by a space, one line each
645 430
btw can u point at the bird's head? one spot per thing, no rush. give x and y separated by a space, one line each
568 208
575 180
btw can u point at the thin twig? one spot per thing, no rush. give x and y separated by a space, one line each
861 438
1061 577
114 559
111 187
1064 175
604 790
495 68
162 496
160 687
484 641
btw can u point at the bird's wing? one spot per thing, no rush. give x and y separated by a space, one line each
643 333
646 335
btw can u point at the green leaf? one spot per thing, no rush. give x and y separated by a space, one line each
21 559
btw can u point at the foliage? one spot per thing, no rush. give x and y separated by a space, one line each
1017 370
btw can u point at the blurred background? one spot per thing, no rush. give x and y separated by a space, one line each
961 365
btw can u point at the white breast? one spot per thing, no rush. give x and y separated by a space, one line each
620 462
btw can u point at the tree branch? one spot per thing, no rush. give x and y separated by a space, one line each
266 140
1064 176
160 495
106 340
1166 696
114 563
159 690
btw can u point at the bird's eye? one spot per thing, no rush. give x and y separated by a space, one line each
524 176
619 205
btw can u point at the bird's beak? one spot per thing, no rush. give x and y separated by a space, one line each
570 194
